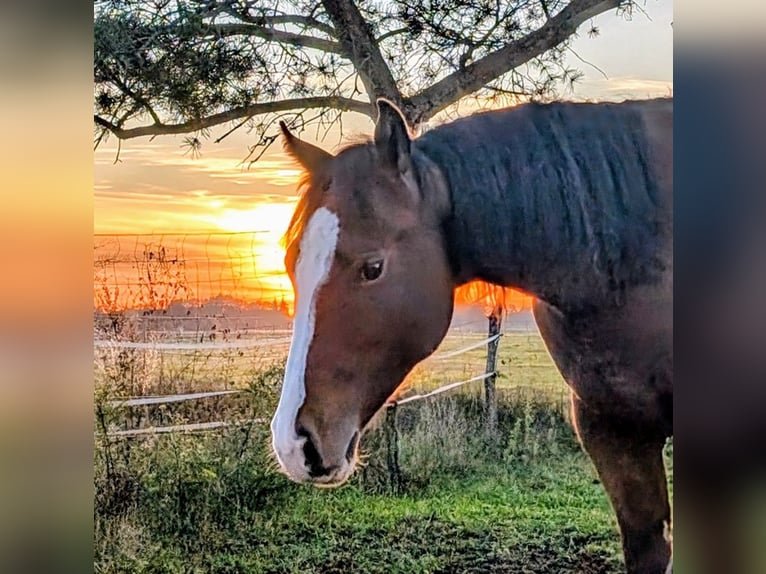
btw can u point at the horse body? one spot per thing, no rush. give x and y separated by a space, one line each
570 202
587 193
580 216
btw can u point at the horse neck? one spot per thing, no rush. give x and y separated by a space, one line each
547 204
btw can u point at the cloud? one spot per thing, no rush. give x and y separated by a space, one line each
624 87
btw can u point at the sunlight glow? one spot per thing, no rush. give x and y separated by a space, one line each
271 218
270 221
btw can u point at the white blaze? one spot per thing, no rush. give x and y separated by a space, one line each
668 535
317 251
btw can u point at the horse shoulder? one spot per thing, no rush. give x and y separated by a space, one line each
619 361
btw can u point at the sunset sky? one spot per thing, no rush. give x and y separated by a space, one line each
157 187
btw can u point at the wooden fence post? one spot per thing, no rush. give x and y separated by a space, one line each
392 449
490 396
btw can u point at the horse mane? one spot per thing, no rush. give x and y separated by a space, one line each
572 186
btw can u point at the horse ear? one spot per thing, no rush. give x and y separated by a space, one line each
309 156
392 136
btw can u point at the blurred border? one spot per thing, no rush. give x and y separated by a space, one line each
720 282
46 431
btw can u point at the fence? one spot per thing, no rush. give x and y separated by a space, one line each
155 270
390 423
490 400
491 343
172 276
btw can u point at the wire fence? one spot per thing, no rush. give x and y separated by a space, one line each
194 396
192 346
156 270
186 319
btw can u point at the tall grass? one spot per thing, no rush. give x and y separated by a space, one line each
181 481
445 435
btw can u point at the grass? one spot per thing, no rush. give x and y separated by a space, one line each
212 517
526 500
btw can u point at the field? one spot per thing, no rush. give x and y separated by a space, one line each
526 500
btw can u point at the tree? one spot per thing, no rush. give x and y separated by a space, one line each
185 66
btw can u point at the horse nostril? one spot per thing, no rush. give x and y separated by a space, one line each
313 458
352 446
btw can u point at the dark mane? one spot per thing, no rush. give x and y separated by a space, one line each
543 186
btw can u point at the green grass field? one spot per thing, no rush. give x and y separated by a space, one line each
526 500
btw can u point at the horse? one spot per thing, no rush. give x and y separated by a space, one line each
570 202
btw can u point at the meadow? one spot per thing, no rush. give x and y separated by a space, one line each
524 499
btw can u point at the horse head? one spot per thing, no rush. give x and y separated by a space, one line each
367 258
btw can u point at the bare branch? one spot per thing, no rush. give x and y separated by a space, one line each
546 11
473 77
301 21
105 123
232 130
270 34
336 102
310 22
281 19
102 133
591 64
383 37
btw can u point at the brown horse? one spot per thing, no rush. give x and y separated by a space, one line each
569 202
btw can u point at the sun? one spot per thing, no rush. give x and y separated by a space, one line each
268 223
269 218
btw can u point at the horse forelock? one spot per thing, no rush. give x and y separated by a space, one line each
309 200
312 189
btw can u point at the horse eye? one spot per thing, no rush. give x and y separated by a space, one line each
371 270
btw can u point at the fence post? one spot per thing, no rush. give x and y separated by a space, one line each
392 449
490 396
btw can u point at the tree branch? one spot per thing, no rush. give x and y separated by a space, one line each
270 34
473 77
391 33
336 102
307 21
138 101
104 123
360 47
262 19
